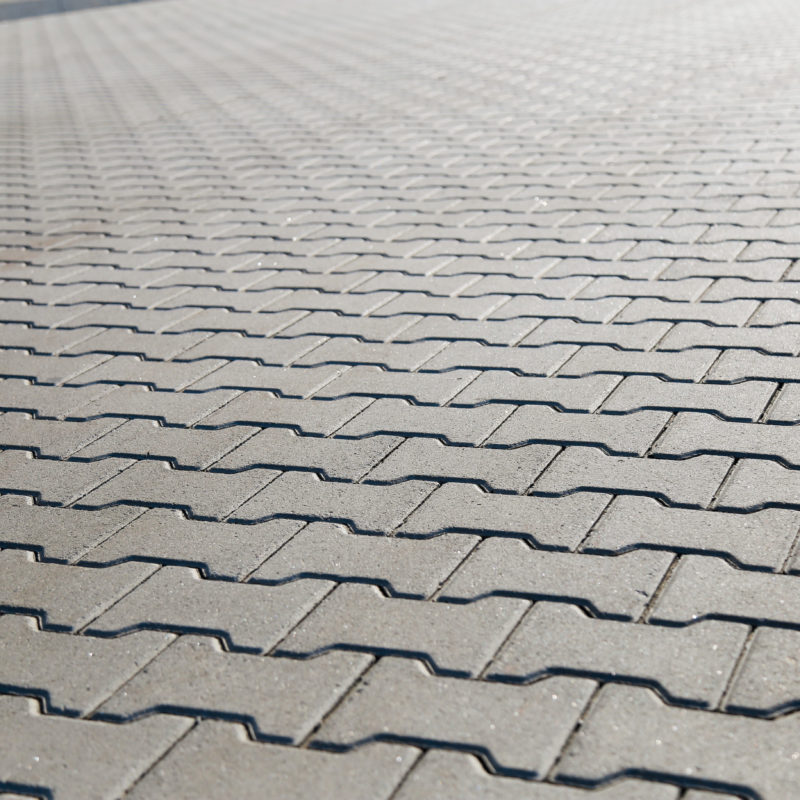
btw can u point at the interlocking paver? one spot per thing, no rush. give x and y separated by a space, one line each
177 599
767 681
681 745
284 699
690 664
143 438
758 483
693 481
73 674
216 758
569 394
761 539
341 459
61 534
202 494
342 331
41 752
164 536
743 401
441 775
559 523
452 638
305 496
617 586
453 425
499 470
702 587
63 597
635 336
404 566
632 434
520 728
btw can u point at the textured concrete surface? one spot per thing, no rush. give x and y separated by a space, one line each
400 401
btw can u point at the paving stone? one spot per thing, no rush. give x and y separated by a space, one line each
558 288
569 394
404 566
767 681
356 304
781 340
217 759
768 269
64 597
630 729
156 320
328 323
452 638
743 401
458 307
736 365
686 366
520 728
283 698
734 288
246 616
52 438
602 310
277 352
251 323
339 459
51 753
62 534
155 483
521 360
688 482
558 639
309 416
761 539
731 312
168 407
46 401
552 522
154 346
490 332
160 375
393 355
687 289
74 674
285 381
695 433
144 438
301 495
47 369
54 482
617 587
443 775
635 336
631 434
425 388
499 470
458 426
756 483
163 536
43 341
786 407
703 587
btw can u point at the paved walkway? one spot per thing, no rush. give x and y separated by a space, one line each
401 400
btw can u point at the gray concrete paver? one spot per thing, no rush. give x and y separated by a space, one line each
364 327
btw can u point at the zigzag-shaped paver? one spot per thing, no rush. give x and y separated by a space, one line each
400 401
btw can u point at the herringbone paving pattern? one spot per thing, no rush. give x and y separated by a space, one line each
400 400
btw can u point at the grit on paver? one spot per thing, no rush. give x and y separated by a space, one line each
400 401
